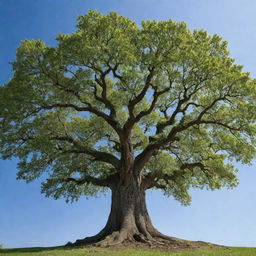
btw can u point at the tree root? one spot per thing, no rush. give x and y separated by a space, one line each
91 240
156 234
152 239
102 239
113 239
142 239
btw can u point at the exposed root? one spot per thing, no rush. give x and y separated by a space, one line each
154 240
129 224
142 239
91 240
156 234
113 239
103 239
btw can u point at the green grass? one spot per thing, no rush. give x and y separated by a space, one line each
55 251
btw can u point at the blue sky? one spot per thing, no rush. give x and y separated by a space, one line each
27 218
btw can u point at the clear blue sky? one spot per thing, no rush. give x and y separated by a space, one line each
27 218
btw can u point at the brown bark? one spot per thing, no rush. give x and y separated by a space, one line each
128 218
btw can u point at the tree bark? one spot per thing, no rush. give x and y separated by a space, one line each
128 218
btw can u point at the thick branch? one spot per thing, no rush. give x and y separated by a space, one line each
113 123
179 108
102 182
152 179
89 108
97 155
145 155
152 105
115 74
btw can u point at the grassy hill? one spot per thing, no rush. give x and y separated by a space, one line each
120 251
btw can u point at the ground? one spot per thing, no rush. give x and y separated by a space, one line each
122 250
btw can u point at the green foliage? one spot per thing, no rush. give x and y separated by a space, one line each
67 108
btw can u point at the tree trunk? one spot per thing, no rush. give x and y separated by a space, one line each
128 218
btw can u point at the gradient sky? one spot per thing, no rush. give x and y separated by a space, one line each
29 219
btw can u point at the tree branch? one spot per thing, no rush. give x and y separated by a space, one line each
113 123
132 103
152 179
145 155
89 108
102 83
104 182
179 109
153 104
97 155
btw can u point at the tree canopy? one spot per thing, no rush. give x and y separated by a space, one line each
168 101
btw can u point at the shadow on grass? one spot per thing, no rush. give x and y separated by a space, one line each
31 249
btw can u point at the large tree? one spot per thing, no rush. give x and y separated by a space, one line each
128 108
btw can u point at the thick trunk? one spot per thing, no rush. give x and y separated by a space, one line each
128 213
128 218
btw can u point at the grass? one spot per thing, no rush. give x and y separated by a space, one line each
59 251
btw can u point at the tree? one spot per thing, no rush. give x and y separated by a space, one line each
128 108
